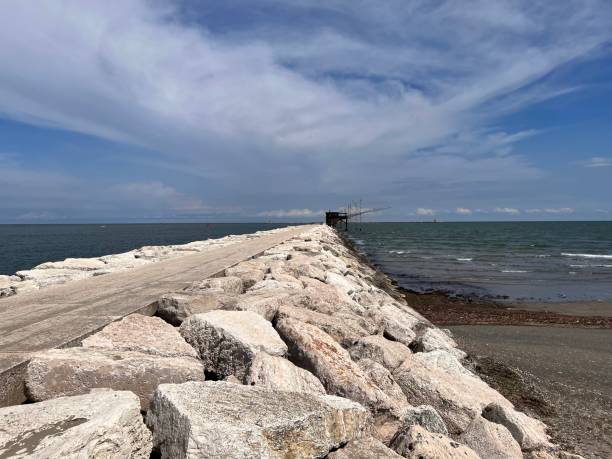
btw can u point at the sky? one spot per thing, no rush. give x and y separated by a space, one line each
243 110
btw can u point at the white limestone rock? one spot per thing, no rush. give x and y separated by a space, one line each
364 448
530 433
345 328
398 324
79 264
74 371
425 416
228 341
149 335
438 379
174 308
231 285
488 439
390 354
316 351
104 424
278 373
433 339
224 420
421 444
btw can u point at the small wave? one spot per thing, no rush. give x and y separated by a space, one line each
359 242
514 271
399 252
587 255
464 259
542 256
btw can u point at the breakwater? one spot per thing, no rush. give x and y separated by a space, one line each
301 351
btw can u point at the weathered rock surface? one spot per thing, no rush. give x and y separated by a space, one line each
231 285
419 443
425 416
224 420
228 341
149 335
488 439
438 379
528 432
104 424
344 328
383 379
364 448
316 351
433 339
174 308
74 371
265 303
250 271
399 325
390 354
278 373
81 264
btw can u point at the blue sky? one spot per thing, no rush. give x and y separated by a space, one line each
155 110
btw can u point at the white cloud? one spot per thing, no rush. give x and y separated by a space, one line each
507 210
558 210
598 161
425 212
400 89
296 213
463 211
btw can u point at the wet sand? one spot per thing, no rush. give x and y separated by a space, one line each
553 361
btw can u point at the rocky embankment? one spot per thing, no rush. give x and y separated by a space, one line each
302 352
71 269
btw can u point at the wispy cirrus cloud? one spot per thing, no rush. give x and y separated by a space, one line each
409 91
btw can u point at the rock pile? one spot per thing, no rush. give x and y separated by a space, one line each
71 269
297 353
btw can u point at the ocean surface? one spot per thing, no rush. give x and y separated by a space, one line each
25 246
517 261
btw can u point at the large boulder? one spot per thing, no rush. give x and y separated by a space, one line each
79 264
231 285
530 433
490 440
46 277
344 328
390 354
265 303
278 373
433 339
174 308
228 341
250 271
224 420
383 379
364 448
438 379
424 416
74 371
398 324
419 443
102 424
316 351
149 335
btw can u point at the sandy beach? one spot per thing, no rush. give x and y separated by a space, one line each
552 360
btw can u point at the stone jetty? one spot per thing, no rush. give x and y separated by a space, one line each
301 351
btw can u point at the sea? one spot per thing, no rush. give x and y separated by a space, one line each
513 261
25 246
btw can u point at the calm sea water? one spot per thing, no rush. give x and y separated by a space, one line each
25 246
544 261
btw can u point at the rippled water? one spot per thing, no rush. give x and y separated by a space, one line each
25 246
549 261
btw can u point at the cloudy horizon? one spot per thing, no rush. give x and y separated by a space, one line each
143 110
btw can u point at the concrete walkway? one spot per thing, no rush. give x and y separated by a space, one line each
63 315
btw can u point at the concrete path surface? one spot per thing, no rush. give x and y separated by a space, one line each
62 315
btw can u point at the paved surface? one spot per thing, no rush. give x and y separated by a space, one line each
62 315
571 369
